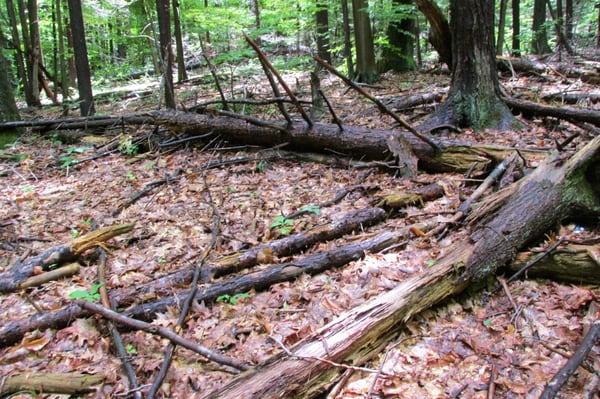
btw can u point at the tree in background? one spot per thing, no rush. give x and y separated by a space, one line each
84 81
322 20
166 55
366 69
516 26
473 99
539 42
501 24
347 40
399 54
181 72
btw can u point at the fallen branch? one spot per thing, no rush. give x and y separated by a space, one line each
44 383
163 332
560 378
11 279
570 114
56 274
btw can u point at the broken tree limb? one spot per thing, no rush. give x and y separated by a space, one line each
56 274
163 332
358 142
573 98
417 197
11 279
529 108
549 194
560 379
402 103
12 332
572 263
61 383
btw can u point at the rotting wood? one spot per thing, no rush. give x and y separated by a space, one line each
529 108
61 383
12 278
416 197
552 192
64 271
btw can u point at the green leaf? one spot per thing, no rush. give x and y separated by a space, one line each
223 298
79 294
131 349
487 322
262 166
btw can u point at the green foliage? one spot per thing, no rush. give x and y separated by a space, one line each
261 166
67 161
283 225
232 299
91 296
128 147
131 349
75 233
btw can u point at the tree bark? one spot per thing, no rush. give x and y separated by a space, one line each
439 36
35 50
366 68
399 54
473 99
539 42
8 106
322 20
181 71
84 80
501 24
162 10
347 41
45 383
569 20
537 204
10 8
516 28
529 108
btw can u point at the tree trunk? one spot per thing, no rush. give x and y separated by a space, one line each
366 68
322 19
418 42
501 24
538 202
516 25
207 32
347 41
12 17
72 69
34 36
8 107
162 11
84 81
473 99
569 20
439 35
539 42
181 72
62 62
399 54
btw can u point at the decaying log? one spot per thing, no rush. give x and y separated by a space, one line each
12 332
529 108
62 383
529 66
573 98
358 142
418 197
401 103
11 279
56 274
572 263
552 192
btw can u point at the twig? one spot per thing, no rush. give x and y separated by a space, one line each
252 120
116 336
336 120
560 378
538 258
492 383
187 305
286 88
213 72
163 332
276 91
379 104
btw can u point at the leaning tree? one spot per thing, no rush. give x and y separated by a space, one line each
474 96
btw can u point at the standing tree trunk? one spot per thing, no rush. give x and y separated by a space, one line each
84 81
70 57
399 55
366 69
34 36
569 20
539 42
10 8
418 42
207 32
516 25
439 35
8 106
501 24
62 63
322 19
347 40
473 99
181 72
255 8
164 31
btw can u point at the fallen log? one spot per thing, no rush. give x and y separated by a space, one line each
402 103
529 108
552 192
10 280
61 383
529 66
12 332
417 197
358 142
573 98
263 253
573 263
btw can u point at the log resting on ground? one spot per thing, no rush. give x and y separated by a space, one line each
551 193
61 383
359 142
529 108
579 264
21 271
13 331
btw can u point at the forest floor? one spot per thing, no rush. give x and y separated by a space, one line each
446 352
